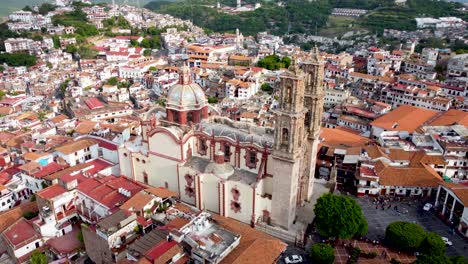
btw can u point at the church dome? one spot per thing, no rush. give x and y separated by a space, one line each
186 95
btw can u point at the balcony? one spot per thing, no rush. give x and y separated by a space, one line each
66 213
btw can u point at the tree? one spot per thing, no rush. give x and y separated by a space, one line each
266 87
432 245
404 235
18 59
212 100
113 81
46 8
431 259
41 115
274 62
339 216
459 260
145 43
2 94
30 215
38 258
147 53
71 48
322 254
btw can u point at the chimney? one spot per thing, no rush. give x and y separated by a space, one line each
219 157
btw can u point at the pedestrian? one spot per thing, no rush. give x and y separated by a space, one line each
383 208
376 206
389 206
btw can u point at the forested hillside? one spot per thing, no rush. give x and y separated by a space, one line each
299 16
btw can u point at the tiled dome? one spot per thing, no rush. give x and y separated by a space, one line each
186 95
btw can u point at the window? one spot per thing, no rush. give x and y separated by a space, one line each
202 147
253 157
227 152
145 177
285 136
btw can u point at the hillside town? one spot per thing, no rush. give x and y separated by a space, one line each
153 140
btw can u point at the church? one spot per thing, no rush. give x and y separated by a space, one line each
256 175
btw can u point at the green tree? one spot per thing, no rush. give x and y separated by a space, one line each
458 260
38 258
212 100
274 62
147 53
339 216
30 215
46 8
41 115
145 43
405 235
432 245
322 254
432 259
2 94
266 87
18 59
113 81
71 48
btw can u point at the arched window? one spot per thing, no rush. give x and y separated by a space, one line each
189 117
288 95
285 136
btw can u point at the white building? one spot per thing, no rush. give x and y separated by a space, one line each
18 44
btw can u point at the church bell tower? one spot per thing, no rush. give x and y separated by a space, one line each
287 150
313 102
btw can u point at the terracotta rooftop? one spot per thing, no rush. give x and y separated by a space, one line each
253 244
423 176
137 202
451 117
161 192
340 138
404 118
20 233
51 192
75 146
461 191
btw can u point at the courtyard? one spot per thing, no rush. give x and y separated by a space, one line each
410 211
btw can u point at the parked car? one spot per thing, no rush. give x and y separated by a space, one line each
447 241
427 207
293 259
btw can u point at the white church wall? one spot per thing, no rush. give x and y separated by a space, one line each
245 199
210 192
184 196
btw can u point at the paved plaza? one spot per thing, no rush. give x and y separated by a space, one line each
379 219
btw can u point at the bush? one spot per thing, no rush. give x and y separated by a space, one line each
369 255
354 256
432 245
394 261
431 259
212 100
404 235
38 258
30 215
322 254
